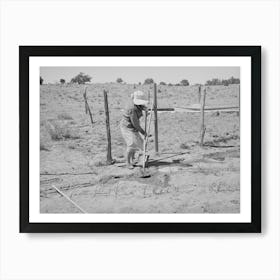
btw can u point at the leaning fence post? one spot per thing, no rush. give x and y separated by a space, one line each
202 127
156 119
109 152
87 109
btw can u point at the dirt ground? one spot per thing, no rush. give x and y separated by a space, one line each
184 177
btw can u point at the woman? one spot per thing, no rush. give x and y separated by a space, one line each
130 126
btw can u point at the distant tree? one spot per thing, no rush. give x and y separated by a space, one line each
41 80
119 80
139 83
81 78
226 82
162 83
148 81
170 84
185 83
62 81
233 81
214 82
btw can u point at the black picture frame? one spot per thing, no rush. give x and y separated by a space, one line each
25 52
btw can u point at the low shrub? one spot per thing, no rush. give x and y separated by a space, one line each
64 116
43 147
61 131
185 146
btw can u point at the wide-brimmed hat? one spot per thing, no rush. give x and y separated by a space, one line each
140 98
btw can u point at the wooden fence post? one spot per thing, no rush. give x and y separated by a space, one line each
109 152
202 127
156 119
147 111
87 109
199 93
85 98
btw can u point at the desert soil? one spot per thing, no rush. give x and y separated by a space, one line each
184 177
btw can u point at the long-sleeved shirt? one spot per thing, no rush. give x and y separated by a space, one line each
131 117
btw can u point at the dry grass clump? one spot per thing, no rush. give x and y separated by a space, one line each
185 146
224 187
45 139
43 146
72 146
64 116
224 139
61 131
97 163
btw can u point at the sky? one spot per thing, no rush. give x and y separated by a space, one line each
133 75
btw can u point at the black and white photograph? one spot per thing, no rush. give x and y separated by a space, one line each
139 139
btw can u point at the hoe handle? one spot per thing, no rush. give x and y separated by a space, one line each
146 138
